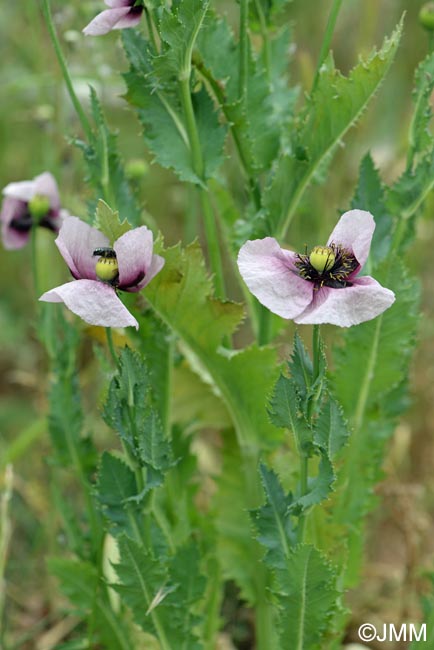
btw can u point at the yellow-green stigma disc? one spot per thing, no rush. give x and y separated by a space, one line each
322 258
39 206
107 269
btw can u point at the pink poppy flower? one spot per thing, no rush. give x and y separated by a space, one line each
323 286
26 204
122 14
100 271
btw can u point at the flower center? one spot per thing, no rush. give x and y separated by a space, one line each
322 258
106 268
39 206
327 266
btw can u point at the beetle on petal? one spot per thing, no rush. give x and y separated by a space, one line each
323 286
100 271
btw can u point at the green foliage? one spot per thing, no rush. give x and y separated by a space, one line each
335 105
108 222
81 584
303 404
307 596
369 196
420 136
235 551
65 418
255 120
105 168
242 378
116 490
273 521
158 101
130 411
162 596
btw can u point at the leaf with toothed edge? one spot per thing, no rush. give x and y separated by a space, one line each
335 105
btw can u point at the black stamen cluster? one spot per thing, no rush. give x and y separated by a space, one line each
335 276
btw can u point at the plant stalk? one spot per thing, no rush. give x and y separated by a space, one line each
210 225
64 68
325 47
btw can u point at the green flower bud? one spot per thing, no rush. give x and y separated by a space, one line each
322 258
107 268
136 169
426 16
39 206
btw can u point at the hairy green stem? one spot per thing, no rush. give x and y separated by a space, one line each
244 49
150 25
331 23
264 615
247 170
35 271
111 346
264 325
64 68
210 225
265 38
304 457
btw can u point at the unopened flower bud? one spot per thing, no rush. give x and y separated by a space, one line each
426 16
322 258
136 169
39 205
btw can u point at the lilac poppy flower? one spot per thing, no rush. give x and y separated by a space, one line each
323 286
122 14
26 204
99 271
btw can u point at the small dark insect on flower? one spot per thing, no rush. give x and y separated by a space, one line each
107 253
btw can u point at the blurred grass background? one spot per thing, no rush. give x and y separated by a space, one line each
37 123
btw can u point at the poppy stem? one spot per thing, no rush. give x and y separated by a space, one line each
327 40
210 225
111 346
64 68
35 272
304 457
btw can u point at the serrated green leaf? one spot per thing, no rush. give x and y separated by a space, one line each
286 412
162 595
82 585
254 121
319 487
307 597
159 107
369 196
180 295
115 486
181 604
272 520
336 105
130 411
420 137
408 193
331 431
179 29
108 222
141 580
